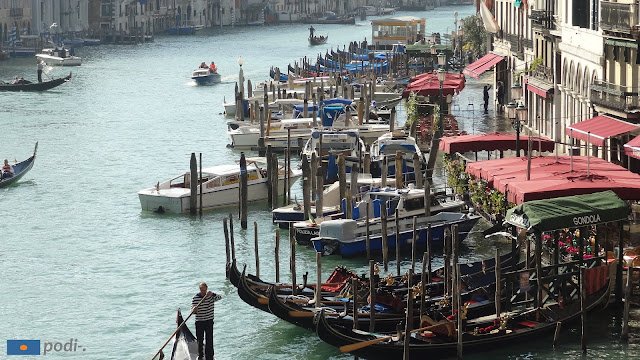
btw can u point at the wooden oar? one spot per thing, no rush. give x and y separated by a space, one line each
360 345
179 327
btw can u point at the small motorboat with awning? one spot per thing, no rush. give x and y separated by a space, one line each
218 184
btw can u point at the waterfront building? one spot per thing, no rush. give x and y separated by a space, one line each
576 60
15 13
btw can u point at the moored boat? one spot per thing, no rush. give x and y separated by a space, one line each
219 187
19 170
24 85
387 145
59 56
426 342
344 237
409 203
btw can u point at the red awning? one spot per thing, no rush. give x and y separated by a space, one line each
490 142
632 148
539 89
599 128
553 178
427 84
481 65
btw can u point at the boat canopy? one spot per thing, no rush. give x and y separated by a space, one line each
568 212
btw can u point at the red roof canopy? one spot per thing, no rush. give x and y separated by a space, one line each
427 84
599 128
481 65
549 179
632 148
490 142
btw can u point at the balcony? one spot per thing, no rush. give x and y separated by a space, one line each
517 45
543 73
542 20
16 12
618 17
614 96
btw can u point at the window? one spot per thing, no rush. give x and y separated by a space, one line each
105 10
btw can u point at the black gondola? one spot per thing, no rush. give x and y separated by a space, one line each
185 345
19 170
34 86
520 326
318 40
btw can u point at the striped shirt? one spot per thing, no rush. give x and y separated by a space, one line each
205 310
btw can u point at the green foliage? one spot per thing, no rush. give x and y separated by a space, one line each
475 35
457 179
536 62
412 109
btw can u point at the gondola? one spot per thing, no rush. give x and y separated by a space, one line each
35 86
479 292
318 40
516 327
185 345
20 169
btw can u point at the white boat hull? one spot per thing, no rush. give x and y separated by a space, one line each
178 200
58 61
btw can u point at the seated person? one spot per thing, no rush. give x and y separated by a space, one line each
7 170
213 67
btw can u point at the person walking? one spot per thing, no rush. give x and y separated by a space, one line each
204 320
485 96
39 71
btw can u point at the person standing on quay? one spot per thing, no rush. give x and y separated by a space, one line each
485 96
204 320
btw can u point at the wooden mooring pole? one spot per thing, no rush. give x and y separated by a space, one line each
244 194
306 187
193 185
498 292
624 336
226 244
385 243
367 234
292 261
372 295
255 241
200 182
317 301
399 169
277 255
233 244
397 236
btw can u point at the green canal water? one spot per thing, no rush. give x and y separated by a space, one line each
80 260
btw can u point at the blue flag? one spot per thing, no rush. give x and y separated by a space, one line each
23 347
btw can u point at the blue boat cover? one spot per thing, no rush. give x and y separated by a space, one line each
330 113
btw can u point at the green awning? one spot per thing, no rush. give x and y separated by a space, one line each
568 212
614 42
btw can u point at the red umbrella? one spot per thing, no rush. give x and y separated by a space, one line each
427 84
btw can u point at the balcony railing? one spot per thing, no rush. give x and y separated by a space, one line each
543 73
517 45
614 96
16 12
542 19
618 17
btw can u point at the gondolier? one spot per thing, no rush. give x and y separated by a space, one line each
39 71
204 320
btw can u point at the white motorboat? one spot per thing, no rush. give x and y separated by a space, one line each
58 57
248 136
219 187
387 145
205 76
409 202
